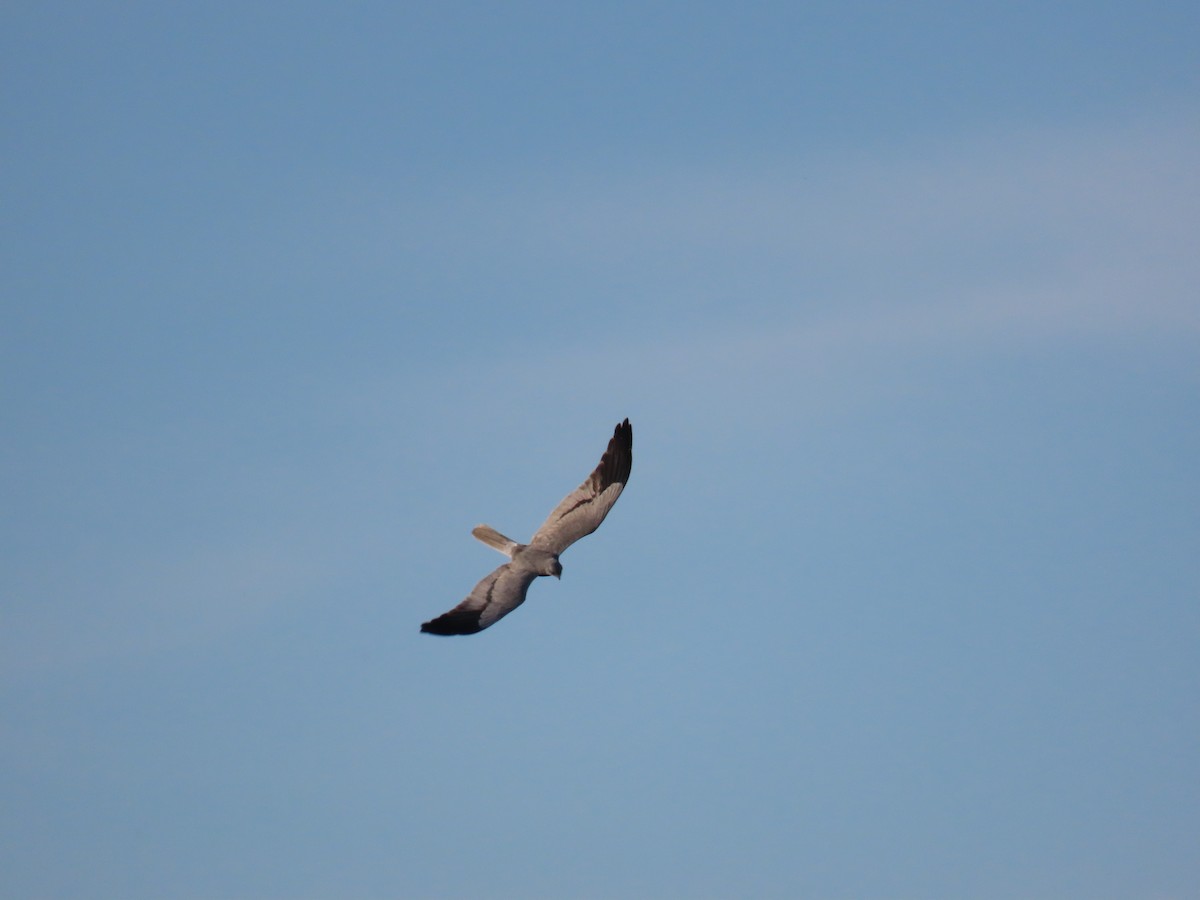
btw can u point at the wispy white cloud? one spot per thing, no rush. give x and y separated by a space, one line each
1029 209
810 278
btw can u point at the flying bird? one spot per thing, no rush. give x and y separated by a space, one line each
579 514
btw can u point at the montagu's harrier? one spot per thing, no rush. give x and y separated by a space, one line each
579 514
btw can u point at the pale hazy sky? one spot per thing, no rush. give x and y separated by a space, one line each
903 597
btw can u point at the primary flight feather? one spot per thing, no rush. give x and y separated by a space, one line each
579 514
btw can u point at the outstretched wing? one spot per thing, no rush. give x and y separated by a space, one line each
495 596
582 510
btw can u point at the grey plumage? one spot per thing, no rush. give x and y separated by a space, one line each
579 514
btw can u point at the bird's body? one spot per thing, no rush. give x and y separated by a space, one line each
579 514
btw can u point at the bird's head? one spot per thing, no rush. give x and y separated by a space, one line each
556 569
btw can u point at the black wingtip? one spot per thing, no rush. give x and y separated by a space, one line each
617 460
449 624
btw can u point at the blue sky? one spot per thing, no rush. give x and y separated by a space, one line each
902 598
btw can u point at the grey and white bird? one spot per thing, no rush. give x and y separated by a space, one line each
579 514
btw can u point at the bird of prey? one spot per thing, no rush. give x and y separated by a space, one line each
579 514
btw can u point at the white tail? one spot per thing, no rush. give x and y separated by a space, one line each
495 539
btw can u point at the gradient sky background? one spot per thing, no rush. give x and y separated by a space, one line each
903 301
